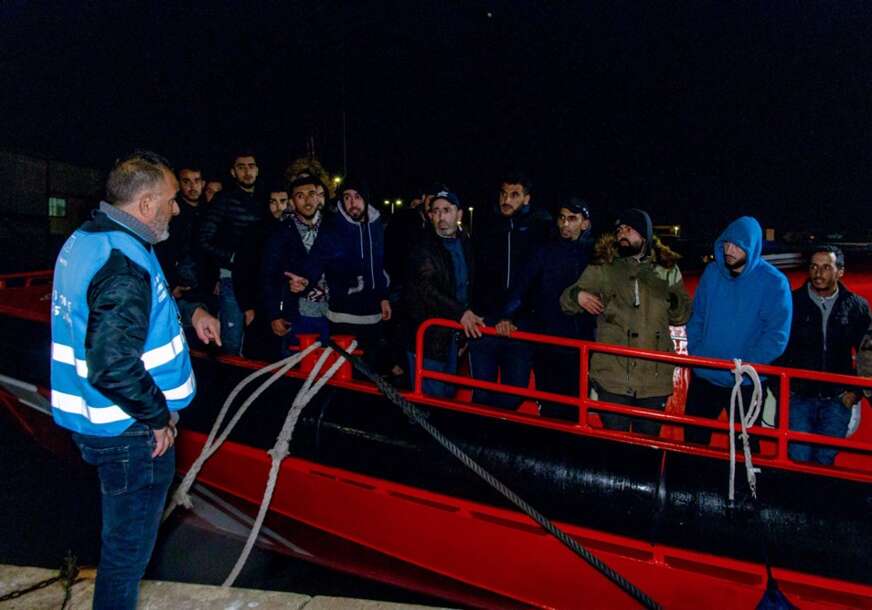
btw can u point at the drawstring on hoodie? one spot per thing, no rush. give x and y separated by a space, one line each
636 301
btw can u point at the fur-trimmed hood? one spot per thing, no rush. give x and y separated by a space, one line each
605 251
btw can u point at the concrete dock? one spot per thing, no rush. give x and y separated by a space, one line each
162 595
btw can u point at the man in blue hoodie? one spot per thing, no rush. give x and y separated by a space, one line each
741 309
349 251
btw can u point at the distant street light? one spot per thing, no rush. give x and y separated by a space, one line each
471 210
337 180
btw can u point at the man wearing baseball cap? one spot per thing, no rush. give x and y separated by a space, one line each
534 304
440 274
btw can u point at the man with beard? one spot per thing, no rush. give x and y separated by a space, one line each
349 252
120 368
177 254
291 315
829 323
232 219
440 273
741 309
636 291
556 265
504 242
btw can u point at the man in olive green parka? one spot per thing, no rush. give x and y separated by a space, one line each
636 291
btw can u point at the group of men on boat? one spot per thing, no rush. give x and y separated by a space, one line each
286 259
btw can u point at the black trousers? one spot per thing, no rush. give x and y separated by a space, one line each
556 371
705 399
614 421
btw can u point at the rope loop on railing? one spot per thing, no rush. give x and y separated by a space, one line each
746 420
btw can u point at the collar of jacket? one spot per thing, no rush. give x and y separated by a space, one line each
133 225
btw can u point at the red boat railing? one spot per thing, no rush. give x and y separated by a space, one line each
780 435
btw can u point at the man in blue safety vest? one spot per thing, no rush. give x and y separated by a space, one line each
120 366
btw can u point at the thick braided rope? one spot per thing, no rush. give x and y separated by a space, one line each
413 413
181 497
280 451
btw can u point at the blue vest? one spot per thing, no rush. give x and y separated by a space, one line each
76 404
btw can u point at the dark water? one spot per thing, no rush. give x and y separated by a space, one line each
51 506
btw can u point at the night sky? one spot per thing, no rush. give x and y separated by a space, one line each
697 113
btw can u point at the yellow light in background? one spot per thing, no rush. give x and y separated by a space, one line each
337 179
387 202
399 203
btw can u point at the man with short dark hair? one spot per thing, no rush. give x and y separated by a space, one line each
290 314
503 243
278 201
178 254
829 322
440 271
232 219
741 309
636 291
552 268
120 368
211 188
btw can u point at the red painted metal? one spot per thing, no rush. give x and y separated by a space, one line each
481 548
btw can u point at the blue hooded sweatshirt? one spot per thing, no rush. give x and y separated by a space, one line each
747 316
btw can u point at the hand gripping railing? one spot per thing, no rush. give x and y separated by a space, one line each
781 434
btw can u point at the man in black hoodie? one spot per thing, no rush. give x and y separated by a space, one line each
231 220
503 243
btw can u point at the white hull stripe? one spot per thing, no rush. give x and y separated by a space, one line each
151 359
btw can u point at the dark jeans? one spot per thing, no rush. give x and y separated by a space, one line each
433 387
134 489
512 359
614 421
232 319
819 416
704 399
557 371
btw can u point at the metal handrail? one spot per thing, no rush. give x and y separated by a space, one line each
780 433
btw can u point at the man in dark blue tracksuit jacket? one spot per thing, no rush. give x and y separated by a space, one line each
542 280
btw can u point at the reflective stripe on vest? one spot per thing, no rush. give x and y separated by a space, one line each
77 404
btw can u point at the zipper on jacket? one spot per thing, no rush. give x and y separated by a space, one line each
509 254
371 262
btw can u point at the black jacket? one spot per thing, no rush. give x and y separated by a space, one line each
227 225
502 247
404 229
283 251
429 291
806 349
178 254
552 268
119 305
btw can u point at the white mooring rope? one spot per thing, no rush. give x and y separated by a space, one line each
280 450
746 420
181 497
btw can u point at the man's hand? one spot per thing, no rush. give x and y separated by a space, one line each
471 323
179 291
163 440
249 316
280 327
505 328
849 399
296 283
386 310
590 303
207 327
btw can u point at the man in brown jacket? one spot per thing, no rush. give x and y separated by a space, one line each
636 292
